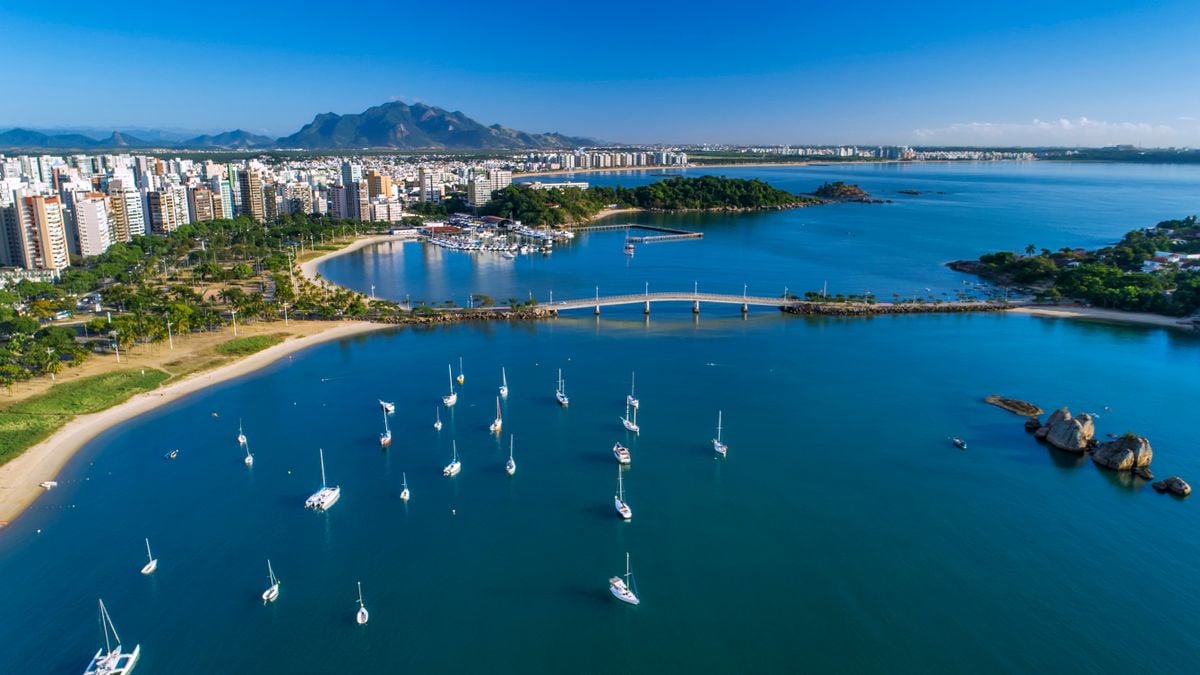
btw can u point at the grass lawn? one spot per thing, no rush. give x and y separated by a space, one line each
26 423
248 345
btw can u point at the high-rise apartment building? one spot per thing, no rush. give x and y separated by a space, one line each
379 185
200 204
164 218
251 186
41 233
92 223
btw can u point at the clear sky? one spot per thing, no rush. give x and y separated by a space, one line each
1074 72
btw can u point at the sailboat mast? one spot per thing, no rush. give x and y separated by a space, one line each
718 425
149 556
626 567
510 447
322 452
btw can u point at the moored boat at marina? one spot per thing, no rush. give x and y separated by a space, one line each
152 562
561 392
719 447
450 399
454 466
272 592
326 497
619 499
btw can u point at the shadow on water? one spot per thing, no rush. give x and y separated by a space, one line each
1123 479
1063 459
591 595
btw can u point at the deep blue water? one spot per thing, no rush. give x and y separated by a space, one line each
843 533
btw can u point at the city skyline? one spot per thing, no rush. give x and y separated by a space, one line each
942 74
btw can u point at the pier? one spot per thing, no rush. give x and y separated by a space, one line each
664 234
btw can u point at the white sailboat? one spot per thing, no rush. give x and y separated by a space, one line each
619 499
241 434
510 467
622 454
497 423
249 459
630 399
461 378
112 660
272 592
437 422
152 562
454 466
622 589
326 497
561 392
631 424
452 398
718 446
387 406
362 615
404 494
503 383
385 439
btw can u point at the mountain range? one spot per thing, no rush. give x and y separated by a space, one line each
393 125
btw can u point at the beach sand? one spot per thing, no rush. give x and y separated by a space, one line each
20 478
1105 315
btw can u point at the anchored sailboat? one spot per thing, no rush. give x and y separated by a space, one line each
437 422
631 424
461 378
561 392
385 439
619 499
718 446
362 615
622 454
452 398
404 494
249 460
510 467
241 434
503 383
630 399
152 563
454 466
497 423
622 589
272 591
112 660
326 497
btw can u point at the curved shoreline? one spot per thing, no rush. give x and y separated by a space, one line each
20 477
1099 315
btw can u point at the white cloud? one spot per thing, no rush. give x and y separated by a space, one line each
1081 131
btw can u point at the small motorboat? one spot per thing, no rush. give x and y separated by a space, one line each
172 454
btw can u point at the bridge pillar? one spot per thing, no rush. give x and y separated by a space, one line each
696 307
597 310
647 309
745 308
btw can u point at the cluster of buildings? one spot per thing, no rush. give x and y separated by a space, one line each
600 159
879 152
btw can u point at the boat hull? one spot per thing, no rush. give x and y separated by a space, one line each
452 469
622 508
114 663
271 594
617 587
323 499
150 567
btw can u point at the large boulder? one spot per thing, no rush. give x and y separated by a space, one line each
1124 454
1069 433
1175 485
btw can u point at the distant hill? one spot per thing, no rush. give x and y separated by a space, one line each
416 127
389 126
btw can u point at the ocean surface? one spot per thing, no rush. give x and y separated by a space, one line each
843 532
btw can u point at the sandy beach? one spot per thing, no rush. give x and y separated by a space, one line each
308 268
1104 315
20 478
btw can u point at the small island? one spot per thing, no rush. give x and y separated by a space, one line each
572 205
838 191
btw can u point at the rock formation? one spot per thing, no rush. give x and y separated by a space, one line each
1065 432
1175 485
1124 454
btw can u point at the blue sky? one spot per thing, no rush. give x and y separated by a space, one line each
1061 72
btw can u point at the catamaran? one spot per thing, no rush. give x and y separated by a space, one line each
241 434
510 467
112 660
454 466
461 378
404 494
387 407
385 439
631 424
452 398
622 589
249 460
497 423
503 383
718 446
561 392
622 454
362 615
326 497
619 499
272 592
152 562
630 399
437 422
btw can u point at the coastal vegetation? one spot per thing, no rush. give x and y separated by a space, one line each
563 206
244 346
26 422
840 190
1155 270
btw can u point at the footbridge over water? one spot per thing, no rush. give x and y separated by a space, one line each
647 299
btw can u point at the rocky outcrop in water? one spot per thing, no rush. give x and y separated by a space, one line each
1066 432
1127 453
1175 485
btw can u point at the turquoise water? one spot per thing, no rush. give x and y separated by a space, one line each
843 533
